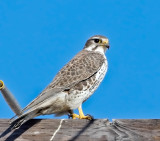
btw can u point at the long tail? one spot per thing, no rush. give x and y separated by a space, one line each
23 118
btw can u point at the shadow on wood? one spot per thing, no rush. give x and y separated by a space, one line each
82 130
78 130
18 132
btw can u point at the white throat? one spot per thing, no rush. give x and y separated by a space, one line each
99 49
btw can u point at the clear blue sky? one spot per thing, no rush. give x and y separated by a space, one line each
38 37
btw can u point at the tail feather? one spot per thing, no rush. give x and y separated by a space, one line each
23 118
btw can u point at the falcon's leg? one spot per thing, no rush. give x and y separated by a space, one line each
82 116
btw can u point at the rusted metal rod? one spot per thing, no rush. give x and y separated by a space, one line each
9 98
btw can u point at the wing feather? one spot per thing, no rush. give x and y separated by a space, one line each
82 66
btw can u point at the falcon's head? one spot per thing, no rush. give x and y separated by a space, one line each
97 43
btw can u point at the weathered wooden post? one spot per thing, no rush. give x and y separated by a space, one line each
8 96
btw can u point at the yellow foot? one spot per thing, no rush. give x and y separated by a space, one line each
74 116
86 117
80 116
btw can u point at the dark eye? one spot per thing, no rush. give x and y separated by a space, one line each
96 40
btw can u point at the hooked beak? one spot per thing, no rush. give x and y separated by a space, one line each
106 43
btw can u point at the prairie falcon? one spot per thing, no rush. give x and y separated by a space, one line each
73 84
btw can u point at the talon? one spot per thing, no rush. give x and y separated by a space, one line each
90 117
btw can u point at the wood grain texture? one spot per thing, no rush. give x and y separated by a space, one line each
82 130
